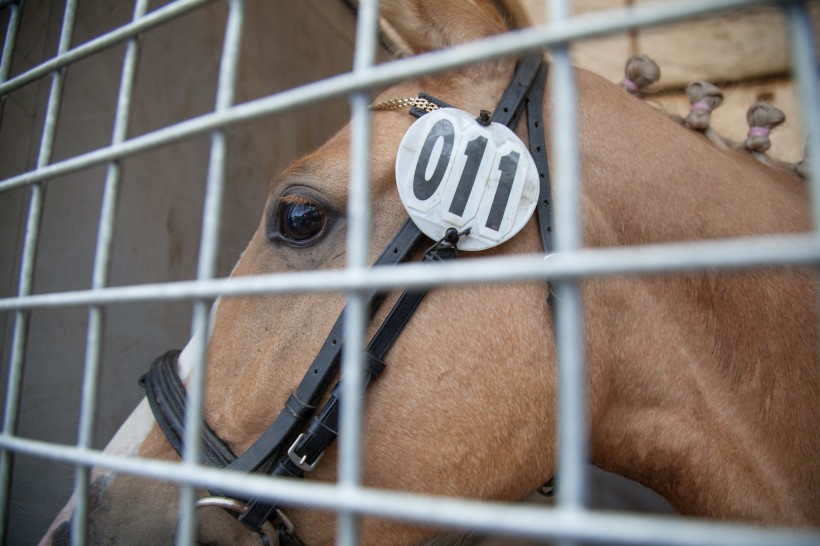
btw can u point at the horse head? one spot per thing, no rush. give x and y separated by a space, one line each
694 382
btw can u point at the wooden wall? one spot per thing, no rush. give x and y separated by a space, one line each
745 53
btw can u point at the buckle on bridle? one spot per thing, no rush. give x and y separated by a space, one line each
301 460
268 535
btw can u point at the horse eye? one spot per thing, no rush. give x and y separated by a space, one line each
299 222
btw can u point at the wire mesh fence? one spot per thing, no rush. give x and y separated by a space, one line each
150 134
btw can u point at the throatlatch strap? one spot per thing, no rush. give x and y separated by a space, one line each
510 106
538 149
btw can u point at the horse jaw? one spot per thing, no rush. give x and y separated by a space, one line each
126 442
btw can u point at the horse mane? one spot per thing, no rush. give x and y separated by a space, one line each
704 97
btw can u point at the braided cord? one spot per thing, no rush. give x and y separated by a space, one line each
406 103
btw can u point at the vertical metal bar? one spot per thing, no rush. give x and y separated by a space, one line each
11 40
805 71
358 237
32 236
102 261
206 268
571 471
15 369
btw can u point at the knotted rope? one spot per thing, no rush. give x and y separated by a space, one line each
704 97
640 72
762 118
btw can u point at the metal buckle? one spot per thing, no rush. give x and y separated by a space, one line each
300 461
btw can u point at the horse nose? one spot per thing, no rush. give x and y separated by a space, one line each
62 534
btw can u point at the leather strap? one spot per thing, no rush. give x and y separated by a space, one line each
167 396
324 367
511 104
527 89
309 447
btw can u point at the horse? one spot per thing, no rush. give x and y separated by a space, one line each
702 387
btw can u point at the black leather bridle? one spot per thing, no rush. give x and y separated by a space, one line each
284 449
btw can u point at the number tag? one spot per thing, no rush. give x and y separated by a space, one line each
453 172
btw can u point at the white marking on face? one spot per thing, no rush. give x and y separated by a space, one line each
126 442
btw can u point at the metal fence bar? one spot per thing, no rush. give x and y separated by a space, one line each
8 45
785 251
116 36
206 268
510 519
102 261
358 244
27 261
571 473
384 74
571 521
805 71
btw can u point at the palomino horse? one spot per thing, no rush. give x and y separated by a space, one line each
702 387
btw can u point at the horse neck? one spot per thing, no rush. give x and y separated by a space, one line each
702 387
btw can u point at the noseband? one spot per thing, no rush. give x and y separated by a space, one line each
288 448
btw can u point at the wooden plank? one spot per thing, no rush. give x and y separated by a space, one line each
745 45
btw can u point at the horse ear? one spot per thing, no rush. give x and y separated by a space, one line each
426 25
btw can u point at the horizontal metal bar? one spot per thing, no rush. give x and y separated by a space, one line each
512 519
388 73
109 39
733 254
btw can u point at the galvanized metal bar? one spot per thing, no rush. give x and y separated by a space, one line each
571 521
505 518
21 317
116 36
9 43
27 262
102 261
804 69
358 244
206 267
571 475
387 73
679 258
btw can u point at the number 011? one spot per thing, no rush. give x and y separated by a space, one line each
453 172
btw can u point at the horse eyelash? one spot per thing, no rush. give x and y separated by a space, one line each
296 199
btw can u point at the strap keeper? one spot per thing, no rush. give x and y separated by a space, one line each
375 365
301 410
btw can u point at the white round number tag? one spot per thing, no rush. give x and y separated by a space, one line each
454 172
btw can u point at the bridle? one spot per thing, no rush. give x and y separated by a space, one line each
288 448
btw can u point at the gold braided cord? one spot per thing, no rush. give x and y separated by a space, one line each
406 103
